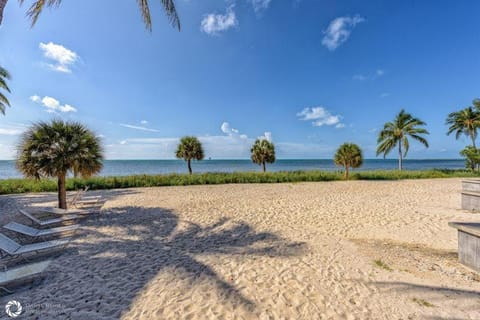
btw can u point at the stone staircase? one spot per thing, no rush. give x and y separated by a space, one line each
471 195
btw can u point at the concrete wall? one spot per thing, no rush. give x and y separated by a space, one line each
469 250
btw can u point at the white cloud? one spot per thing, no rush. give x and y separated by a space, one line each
213 24
144 122
35 98
130 126
384 95
10 131
230 145
52 105
340 125
259 5
225 127
266 136
320 117
359 77
339 31
63 58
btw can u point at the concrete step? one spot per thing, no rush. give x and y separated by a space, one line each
471 185
471 201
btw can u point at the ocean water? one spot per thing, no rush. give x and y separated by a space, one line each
131 167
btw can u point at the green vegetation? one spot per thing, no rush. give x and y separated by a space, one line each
4 76
55 148
38 5
423 303
190 148
263 151
10 186
379 263
348 155
472 157
396 133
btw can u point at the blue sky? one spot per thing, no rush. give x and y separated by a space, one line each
307 74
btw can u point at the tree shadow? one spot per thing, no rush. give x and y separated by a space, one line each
124 249
442 292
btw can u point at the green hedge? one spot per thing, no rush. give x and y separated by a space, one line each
9 186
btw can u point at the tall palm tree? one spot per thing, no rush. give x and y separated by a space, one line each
4 76
190 148
263 151
53 149
37 6
466 122
396 133
348 155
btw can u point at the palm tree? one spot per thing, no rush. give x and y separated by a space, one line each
190 148
4 76
53 149
37 7
348 155
466 122
397 132
263 151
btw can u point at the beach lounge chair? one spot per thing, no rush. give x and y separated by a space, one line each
22 273
43 223
14 249
77 195
81 200
38 233
62 212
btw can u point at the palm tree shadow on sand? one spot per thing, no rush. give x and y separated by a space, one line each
109 270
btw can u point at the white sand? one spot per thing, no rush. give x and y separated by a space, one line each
281 251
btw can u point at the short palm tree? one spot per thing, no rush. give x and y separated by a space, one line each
4 76
190 148
348 155
38 5
263 151
53 149
396 133
466 122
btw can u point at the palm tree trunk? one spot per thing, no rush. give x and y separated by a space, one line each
473 140
264 167
400 156
346 172
62 192
189 164
3 4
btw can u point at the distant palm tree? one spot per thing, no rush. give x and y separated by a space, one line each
348 155
190 148
4 76
53 149
397 133
263 151
465 121
36 8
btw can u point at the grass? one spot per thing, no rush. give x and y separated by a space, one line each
379 263
10 186
423 303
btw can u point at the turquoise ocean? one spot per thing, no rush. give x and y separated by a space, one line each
134 167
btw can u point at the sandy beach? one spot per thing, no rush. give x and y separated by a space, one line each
329 250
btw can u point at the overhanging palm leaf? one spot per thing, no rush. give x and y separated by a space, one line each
38 5
396 133
4 75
